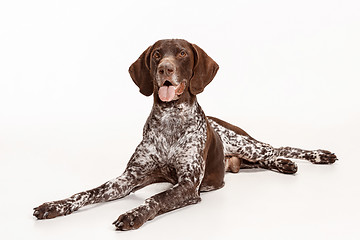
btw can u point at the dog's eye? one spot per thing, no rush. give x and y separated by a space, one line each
182 54
156 55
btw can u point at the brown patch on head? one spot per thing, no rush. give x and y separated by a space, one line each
173 62
178 55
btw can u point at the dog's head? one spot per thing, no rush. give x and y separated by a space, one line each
171 67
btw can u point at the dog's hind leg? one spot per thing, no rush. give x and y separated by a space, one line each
252 153
316 156
234 164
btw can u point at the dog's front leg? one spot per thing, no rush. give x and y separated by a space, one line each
182 194
136 175
113 189
185 192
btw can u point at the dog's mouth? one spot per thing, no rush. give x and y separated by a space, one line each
169 92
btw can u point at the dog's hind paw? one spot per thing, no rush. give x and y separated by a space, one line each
324 157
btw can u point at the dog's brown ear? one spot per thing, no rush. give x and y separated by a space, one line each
205 69
140 73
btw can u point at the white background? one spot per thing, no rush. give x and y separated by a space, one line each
70 116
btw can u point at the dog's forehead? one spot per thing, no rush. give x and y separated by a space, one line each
171 45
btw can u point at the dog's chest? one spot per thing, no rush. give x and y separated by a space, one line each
176 131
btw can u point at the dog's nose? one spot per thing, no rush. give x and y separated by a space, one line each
166 68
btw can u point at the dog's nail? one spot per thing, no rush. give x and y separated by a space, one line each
118 224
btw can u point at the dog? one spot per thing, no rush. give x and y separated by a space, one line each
180 144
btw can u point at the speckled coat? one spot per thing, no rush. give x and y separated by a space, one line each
180 144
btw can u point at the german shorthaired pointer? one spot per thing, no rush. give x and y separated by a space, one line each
180 145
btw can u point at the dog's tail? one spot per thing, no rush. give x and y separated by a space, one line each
243 151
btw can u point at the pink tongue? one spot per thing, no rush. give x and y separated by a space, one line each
167 93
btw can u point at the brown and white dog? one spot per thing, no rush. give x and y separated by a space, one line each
180 144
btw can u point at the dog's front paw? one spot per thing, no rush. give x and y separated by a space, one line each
53 209
134 219
324 157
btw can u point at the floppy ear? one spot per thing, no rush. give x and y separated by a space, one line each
140 73
205 69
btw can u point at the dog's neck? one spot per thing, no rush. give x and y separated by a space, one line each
176 109
178 112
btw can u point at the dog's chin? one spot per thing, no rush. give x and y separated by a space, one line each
168 93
